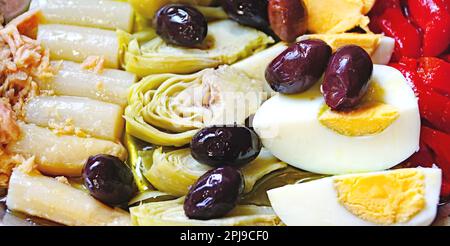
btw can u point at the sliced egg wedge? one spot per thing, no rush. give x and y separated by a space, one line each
295 130
406 197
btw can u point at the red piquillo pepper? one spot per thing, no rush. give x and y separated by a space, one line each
433 18
439 143
446 57
419 27
433 151
435 73
394 24
429 78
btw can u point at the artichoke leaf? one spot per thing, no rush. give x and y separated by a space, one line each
174 172
171 213
150 196
168 109
220 47
286 176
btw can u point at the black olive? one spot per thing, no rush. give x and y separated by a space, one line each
299 67
251 13
214 194
109 179
347 77
181 25
225 146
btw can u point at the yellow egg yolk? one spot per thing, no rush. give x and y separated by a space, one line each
371 117
337 16
369 42
368 119
385 198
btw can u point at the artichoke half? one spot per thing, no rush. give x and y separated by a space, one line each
226 43
169 109
171 213
174 172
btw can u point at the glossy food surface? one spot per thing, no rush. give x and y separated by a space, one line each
248 12
109 179
288 18
181 25
214 195
347 77
225 146
299 67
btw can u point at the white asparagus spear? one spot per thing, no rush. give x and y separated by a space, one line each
95 118
102 14
72 80
76 43
50 199
61 154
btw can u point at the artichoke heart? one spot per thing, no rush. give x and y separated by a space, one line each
226 43
171 213
174 172
169 109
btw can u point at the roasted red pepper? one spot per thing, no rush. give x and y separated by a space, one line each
429 83
446 57
439 143
433 17
380 6
435 108
435 73
394 24
423 157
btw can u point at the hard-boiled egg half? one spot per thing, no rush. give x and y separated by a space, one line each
377 135
398 197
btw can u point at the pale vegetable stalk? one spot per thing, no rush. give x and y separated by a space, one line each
76 43
47 198
72 80
61 154
76 115
92 13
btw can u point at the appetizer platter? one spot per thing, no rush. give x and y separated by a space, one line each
225 112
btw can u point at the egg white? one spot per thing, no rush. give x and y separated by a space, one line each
290 129
315 203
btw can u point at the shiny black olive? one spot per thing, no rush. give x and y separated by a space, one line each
251 13
108 179
181 25
299 67
225 146
214 194
347 77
